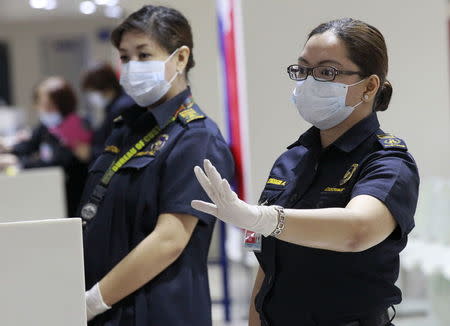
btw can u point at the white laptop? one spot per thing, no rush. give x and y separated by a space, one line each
41 273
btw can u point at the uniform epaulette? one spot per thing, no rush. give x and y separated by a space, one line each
190 114
118 119
389 141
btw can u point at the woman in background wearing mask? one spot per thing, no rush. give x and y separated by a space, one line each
339 203
106 101
59 140
145 246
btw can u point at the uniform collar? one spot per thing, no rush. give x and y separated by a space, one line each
348 141
140 118
163 112
309 138
353 137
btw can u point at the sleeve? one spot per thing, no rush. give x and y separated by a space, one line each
178 184
393 178
62 157
26 151
31 145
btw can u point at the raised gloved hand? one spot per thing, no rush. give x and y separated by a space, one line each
228 207
94 303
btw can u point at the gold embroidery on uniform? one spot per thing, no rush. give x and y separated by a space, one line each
393 142
276 182
190 114
348 175
331 189
155 147
389 140
112 149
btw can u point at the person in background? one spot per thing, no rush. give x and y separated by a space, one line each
106 101
60 139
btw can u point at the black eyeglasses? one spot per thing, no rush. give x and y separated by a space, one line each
320 73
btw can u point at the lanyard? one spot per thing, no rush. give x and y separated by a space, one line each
90 209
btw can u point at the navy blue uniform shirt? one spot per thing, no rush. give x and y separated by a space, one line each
159 179
112 110
305 284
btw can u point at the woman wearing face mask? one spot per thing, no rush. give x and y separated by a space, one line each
145 246
349 191
59 140
106 101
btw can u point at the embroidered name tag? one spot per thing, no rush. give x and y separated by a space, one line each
331 189
277 182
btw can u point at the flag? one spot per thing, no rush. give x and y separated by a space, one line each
234 90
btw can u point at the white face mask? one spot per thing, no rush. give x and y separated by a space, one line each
96 100
97 103
322 103
50 119
145 81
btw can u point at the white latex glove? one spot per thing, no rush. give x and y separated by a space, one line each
94 303
228 207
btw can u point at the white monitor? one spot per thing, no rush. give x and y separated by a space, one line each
41 274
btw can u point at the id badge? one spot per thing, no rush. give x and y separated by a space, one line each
252 241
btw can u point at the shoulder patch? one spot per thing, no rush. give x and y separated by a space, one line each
389 141
190 114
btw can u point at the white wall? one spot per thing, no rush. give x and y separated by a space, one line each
275 31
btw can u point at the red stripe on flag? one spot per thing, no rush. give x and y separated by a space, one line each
233 103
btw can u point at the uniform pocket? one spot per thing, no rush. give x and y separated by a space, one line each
332 199
138 162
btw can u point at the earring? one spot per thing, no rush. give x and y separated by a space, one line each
366 97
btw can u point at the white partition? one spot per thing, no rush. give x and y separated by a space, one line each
33 194
41 274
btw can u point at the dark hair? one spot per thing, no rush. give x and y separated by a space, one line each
166 25
366 47
60 93
101 77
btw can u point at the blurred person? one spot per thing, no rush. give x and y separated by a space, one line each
60 139
106 101
145 247
339 204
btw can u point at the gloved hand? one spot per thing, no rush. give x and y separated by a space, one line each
94 303
228 207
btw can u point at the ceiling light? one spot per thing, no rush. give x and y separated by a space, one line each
113 12
38 4
87 7
101 2
51 5
112 2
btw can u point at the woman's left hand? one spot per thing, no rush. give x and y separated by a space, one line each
228 207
